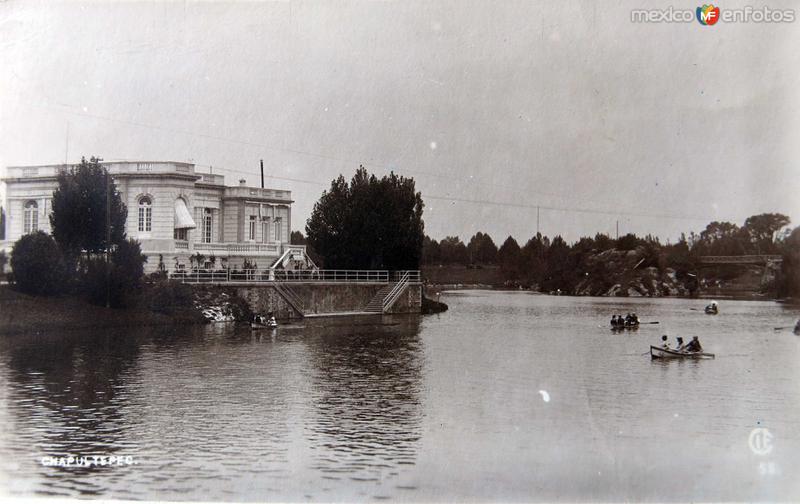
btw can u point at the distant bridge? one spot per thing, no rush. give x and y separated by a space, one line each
742 259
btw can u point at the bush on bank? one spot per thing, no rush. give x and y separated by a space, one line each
38 265
169 296
119 282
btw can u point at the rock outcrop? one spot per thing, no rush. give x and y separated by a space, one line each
218 305
622 273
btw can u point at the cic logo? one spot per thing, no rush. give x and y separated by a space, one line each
760 441
708 15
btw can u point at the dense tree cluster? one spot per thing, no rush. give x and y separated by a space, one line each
74 257
79 220
554 264
370 223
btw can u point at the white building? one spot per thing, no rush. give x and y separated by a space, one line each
173 212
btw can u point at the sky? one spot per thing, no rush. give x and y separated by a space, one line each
494 108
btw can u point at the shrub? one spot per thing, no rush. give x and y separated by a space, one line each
38 265
122 283
168 296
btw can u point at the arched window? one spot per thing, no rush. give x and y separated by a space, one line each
145 214
31 223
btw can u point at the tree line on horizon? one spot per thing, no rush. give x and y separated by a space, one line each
552 264
376 223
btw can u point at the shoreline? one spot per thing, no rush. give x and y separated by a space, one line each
21 313
432 289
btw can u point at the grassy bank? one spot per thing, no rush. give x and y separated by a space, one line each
457 274
21 313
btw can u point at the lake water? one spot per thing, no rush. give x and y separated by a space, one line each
506 396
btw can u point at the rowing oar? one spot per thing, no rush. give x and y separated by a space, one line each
782 328
656 322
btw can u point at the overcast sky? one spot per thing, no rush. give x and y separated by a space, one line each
498 106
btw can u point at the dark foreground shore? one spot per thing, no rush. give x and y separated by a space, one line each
21 313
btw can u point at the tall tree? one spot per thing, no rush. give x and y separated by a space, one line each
789 284
297 238
561 272
762 228
431 251
508 257
370 223
533 258
453 251
79 210
482 249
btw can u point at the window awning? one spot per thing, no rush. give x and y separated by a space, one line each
183 219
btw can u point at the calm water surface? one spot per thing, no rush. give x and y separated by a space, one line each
447 407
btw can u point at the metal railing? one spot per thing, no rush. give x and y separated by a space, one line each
398 289
307 276
291 297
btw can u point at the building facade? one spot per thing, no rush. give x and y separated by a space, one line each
174 212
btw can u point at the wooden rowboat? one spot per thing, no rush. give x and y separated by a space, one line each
253 325
624 327
663 353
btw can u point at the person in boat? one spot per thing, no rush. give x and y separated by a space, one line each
694 345
628 319
634 319
271 321
680 346
258 319
614 321
665 343
797 327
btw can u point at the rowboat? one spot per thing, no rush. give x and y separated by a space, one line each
664 353
623 327
268 325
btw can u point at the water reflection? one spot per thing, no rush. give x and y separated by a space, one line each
366 389
439 408
66 401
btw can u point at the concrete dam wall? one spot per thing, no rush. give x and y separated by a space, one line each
305 299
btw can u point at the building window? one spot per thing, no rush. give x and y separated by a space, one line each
181 234
145 215
265 229
251 233
277 229
207 225
31 223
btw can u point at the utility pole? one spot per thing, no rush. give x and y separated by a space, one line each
66 146
108 237
537 220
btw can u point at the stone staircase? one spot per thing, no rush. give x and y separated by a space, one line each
386 297
375 304
290 296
